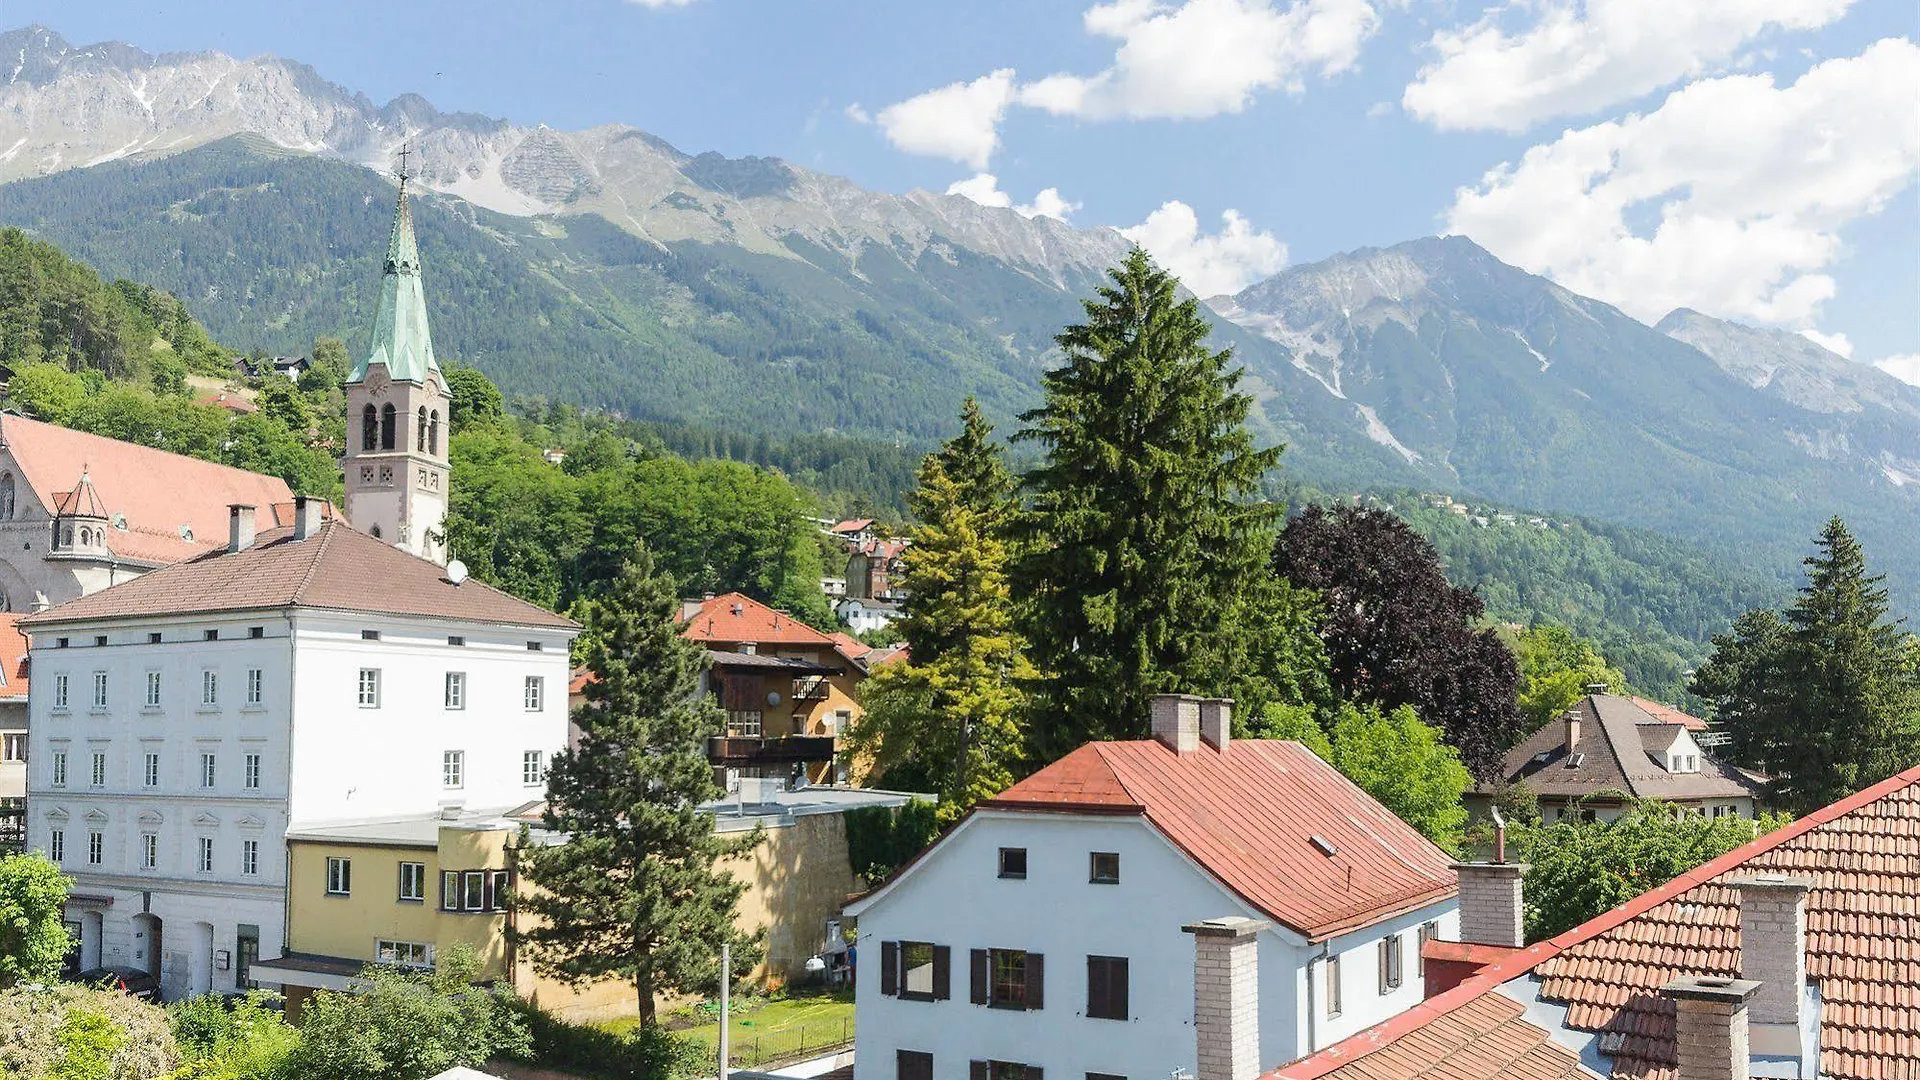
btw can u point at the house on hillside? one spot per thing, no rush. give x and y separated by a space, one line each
1792 956
1609 750
1055 929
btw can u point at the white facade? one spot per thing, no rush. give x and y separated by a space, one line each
165 773
861 616
955 897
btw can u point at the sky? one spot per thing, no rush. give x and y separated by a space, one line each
1753 159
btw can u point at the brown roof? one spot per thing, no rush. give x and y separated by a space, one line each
1617 737
1862 857
735 619
1249 817
156 493
13 658
338 568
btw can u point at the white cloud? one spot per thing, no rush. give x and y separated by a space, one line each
1205 57
1833 343
1905 367
858 114
959 121
1224 262
1742 187
984 188
1581 56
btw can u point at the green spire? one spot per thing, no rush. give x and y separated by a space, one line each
400 341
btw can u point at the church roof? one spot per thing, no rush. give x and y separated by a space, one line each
82 501
338 568
13 658
163 507
400 341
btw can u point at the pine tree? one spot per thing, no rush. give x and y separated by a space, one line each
1140 536
950 715
635 890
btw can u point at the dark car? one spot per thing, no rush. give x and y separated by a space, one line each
130 981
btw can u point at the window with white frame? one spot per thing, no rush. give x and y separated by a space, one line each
13 748
207 770
1332 968
60 691
99 689
59 768
743 722
209 687
250 771
453 768
535 692
206 854
403 953
339 876
533 768
99 777
413 881
57 845
369 688
96 848
456 690
255 679
150 772
153 690
149 851
249 857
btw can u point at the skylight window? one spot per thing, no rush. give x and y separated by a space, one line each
1323 845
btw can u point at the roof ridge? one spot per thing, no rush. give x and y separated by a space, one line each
313 564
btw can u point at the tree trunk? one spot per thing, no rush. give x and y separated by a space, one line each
643 984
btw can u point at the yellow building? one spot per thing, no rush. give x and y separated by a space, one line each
404 890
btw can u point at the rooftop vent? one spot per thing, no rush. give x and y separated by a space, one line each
1574 761
739 610
1323 845
1596 688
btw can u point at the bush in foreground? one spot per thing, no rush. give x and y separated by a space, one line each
79 1033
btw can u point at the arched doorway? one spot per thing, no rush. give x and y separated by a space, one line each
93 925
147 943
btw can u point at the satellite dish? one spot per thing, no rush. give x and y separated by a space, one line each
773 697
456 571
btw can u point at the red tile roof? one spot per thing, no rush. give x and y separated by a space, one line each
1249 817
736 618
337 568
1668 714
853 525
156 493
1862 857
13 658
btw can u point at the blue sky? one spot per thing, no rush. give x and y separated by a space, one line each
1756 164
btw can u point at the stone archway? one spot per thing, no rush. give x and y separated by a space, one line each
147 943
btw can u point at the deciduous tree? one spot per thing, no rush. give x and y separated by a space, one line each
1555 670
1391 756
33 936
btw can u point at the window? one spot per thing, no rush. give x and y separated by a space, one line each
913 1065
453 767
535 692
1107 987
209 687
916 970
533 769
473 890
13 748
250 857
206 854
255 680
1013 862
96 848
369 428
57 845
420 432
535 646
153 690
449 890
1007 978
1332 967
743 722
433 432
150 776
1001 1070
99 640
250 772
413 881
499 890
60 644
210 635
403 953
387 426
1428 931
456 639
149 851
99 689
369 688
1390 973
256 632
59 768
60 691
153 638
99 777
456 689
1106 868
369 635
339 876
207 771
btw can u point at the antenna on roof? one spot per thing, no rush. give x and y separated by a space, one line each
456 571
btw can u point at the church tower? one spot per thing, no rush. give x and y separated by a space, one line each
398 415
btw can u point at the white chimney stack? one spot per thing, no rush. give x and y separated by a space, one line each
1490 909
306 516
1216 722
1573 731
1773 952
1226 997
241 523
1176 721
1710 1027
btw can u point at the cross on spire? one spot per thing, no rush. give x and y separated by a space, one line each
405 149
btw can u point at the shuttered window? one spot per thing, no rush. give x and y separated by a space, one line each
916 970
1008 979
914 1065
1002 1070
1390 963
1107 987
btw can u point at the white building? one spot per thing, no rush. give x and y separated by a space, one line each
1047 932
182 722
862 615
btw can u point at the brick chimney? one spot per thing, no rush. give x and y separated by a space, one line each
1773 952
1216 722
1226 997
1176 721
1573 731
1710 1026
306 516
241 524
1490 908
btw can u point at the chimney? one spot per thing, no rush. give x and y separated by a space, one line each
1710 1026
1490 908
241 524
1573 731
1226 997
1773 953
1216 722
1176 721
306 516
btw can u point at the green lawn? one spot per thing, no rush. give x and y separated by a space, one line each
766 1031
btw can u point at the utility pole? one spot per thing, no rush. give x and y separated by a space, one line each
726 988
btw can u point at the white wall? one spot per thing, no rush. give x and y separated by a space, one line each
1364 1000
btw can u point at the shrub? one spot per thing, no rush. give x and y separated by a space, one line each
80 1033
408 1025
646 1053
233 1038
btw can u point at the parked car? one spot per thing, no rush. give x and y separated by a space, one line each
130 981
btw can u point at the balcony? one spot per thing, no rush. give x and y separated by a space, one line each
745 751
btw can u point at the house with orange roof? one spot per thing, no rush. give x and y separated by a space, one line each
1056 929
13 734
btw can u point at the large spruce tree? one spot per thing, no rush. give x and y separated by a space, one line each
950 716
1141 532
1826 700
635 891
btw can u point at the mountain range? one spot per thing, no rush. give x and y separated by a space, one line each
612 269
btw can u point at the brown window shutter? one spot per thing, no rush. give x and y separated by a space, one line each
1033 1072
978 962
1036 982
942 973
890 968
976 1070
1117 988
1096 987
